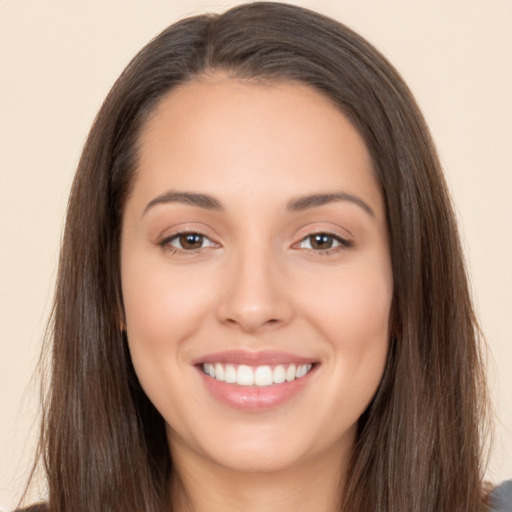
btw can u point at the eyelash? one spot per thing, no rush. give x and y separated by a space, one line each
166 243
343 243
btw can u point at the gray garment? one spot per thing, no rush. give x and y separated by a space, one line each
501 497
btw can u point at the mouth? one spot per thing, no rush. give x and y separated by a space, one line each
261 376
255 381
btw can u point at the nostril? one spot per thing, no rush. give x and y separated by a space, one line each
253 307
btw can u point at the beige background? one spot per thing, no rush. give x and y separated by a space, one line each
58 59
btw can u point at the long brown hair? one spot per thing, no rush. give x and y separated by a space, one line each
419 442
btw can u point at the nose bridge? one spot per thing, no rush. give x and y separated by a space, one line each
253 297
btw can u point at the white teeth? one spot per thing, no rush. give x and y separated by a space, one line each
230 374
219 372
261 376
290 373
279 375
244 376
302 370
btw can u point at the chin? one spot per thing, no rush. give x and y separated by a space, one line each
263 460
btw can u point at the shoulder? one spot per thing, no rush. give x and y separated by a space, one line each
500 499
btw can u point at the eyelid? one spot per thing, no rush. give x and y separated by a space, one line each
336 239
177 236
342 243
165 241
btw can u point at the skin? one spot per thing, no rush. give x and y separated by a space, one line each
256 284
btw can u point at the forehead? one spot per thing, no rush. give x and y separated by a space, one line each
282 138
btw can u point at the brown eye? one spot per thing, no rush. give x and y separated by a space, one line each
321 241
190 241
187 242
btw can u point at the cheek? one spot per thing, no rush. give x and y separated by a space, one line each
352 312
163 309
353 306
162 304
359 319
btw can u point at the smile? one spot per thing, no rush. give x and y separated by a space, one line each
261 376
255 381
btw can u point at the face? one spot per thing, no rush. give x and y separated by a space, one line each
256 274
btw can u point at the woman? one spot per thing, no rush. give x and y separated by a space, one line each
261 301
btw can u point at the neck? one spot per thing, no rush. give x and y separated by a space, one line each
313 485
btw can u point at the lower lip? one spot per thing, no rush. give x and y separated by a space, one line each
255 398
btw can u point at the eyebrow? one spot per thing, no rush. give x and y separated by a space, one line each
189 198
316 200
294 205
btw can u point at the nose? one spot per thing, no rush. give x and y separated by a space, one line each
254 296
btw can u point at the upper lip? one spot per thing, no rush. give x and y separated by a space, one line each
253 358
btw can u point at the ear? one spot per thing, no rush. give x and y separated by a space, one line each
121 321
120 318
119 315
